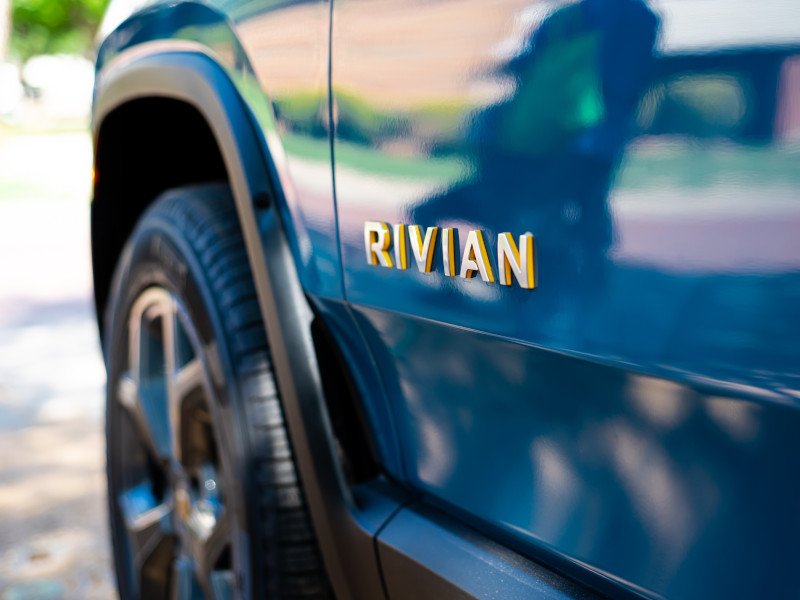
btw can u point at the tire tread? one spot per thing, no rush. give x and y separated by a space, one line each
287 546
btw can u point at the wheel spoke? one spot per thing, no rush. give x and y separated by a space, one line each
181 384
214 577
148 343
174 398
149 523
188 378
184 373
169 322
219 538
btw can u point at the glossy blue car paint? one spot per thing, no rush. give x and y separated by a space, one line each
636 414
635 418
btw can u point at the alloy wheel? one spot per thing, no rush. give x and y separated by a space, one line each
168 476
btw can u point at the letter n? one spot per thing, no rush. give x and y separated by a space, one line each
519 260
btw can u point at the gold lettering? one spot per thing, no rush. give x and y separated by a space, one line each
423 250
475 258
449 240
377 239
400 251
517 260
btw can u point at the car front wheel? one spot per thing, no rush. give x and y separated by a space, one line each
204 496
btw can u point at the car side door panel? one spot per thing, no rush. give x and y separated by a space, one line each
634 417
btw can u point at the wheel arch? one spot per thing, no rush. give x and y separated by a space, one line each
187 94
161 121
131 171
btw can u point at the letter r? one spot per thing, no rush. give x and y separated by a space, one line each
377 239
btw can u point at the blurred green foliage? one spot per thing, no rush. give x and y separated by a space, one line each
54 26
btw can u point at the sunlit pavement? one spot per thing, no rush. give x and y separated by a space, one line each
53 531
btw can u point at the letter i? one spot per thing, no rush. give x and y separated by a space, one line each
400 249
449 242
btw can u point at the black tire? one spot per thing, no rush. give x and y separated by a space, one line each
230 465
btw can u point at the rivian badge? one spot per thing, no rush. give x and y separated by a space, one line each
389 247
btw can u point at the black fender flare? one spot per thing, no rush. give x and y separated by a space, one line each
346 520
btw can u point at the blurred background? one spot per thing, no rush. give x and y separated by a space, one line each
53 532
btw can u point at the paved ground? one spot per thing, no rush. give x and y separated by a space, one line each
53 534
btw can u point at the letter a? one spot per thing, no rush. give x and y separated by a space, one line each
476 259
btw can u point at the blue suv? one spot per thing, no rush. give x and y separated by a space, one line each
450 298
